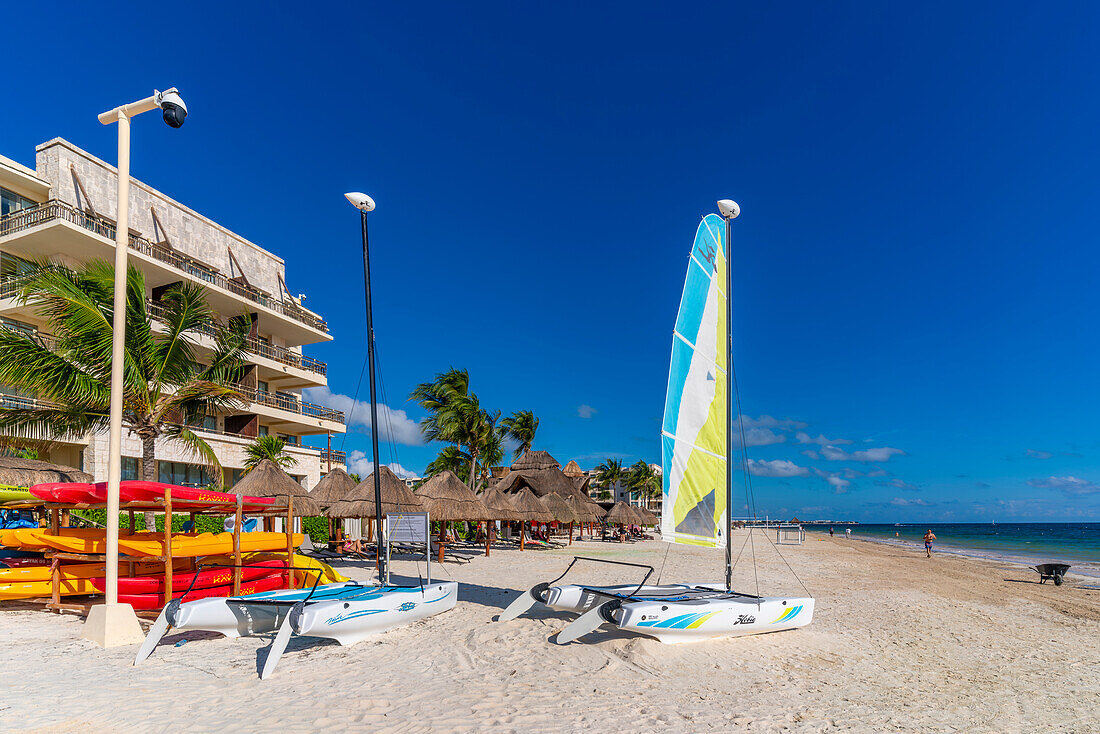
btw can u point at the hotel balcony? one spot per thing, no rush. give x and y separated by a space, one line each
58 229
287 414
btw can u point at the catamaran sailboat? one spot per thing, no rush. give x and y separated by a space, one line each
346 612
697 452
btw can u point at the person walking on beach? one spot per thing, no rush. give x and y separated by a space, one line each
929 536
830 532
848 533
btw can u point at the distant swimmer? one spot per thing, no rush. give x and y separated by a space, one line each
928 538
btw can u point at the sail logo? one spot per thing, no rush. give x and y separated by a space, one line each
744 619
407 607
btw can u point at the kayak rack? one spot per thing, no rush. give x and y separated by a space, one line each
59 517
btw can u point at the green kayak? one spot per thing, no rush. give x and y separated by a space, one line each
14 493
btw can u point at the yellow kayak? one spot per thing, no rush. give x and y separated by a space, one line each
306 569
34 589
144 544
7 493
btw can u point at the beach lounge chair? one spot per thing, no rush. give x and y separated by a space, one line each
307 548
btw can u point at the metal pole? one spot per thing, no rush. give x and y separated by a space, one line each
373 403
729 411
118 343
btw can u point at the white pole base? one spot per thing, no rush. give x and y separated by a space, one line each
113 625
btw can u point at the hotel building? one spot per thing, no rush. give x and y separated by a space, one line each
64 211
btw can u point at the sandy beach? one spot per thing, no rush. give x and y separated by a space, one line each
899 642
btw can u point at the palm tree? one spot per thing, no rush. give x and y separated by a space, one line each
267 447
491 449
644 479
607 474
450 459
166 387
521 427
438 398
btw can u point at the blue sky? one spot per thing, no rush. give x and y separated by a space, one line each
914 262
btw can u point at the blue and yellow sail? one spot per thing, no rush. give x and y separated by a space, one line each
693 435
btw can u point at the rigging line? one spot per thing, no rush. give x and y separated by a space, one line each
784 559
663 560
740 552
354 401
749 495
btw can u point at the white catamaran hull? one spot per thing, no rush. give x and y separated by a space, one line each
690 621
254 614
579 599
349 621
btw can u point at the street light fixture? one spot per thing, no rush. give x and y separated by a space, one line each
112 623
365 204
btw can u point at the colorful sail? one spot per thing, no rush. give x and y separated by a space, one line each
693 436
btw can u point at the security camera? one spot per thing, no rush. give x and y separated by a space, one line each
360 201
172 104
729 208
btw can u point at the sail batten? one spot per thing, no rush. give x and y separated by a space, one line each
693 433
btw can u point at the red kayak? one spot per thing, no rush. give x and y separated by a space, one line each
156 601
138 491
204 579
70 493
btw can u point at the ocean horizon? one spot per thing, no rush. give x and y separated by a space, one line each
1028 543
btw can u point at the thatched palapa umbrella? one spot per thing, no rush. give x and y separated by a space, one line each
267 479
333 487
396 497
621 514
448 499
562 511
17 472
530 509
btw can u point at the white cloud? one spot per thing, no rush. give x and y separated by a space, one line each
832 453
776 468
1067 485
586 411
1037 454
811 454
898 484
394 425
359 463
803 437
766 421
839 485
904 502
759 437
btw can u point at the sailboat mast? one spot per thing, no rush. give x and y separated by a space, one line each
373 405
729 407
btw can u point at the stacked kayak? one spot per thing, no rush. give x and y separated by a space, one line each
29 582
183 498
184 545
9 493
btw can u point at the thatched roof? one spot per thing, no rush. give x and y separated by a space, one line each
559 508
582 483
267 479
648 518
529 507
535 460
572 469
623 513
396 497
584 511
498 505
447 498
542 482
332 488
16 472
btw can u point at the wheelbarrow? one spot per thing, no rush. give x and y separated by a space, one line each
1053 571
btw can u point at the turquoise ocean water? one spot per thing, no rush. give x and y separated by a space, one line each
1030 543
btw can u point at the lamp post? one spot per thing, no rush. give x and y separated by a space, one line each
112 623
365 204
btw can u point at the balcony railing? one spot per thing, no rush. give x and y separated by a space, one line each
254 345
55 209
282 401
338 457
